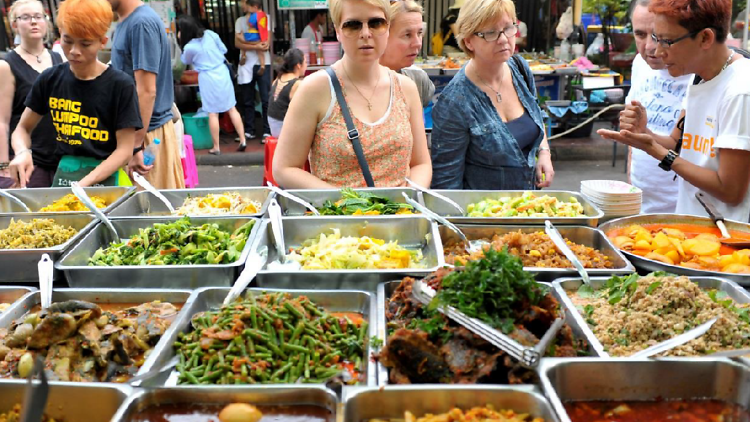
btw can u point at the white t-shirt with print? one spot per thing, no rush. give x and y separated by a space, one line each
245 72
718 117
662 96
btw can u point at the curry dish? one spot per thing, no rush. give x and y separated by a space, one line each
37 234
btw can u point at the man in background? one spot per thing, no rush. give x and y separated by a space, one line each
661 95
312 31
140 48
249 73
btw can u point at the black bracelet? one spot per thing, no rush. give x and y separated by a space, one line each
136 150
4 166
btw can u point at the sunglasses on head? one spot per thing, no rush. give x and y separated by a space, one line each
377 26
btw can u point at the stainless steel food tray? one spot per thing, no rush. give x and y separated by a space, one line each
466 197
565 285
364 404
212 298
70 402
648 265
317 197
39 198
566 380
413 232
75 261
146 204
277 395
20 265
103 296
581 235
385 291
11 294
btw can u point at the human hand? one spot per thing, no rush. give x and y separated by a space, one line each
5 173
642 141
20 169
136 164
544 171
634 118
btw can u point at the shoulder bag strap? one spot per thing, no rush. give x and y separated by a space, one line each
522 69
351 132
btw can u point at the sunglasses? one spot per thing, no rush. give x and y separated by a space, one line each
377 26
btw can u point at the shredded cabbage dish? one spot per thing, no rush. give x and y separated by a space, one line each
176 243
37 234
333 252
70 202
218 204
526 205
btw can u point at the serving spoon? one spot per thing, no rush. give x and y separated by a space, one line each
558 240
84 198
15 200
46 271
718 219
291 197
423 189
152 190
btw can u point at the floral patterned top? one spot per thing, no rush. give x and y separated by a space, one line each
387 144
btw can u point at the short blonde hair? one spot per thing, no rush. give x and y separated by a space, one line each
477 14
405 6
336 7
13 13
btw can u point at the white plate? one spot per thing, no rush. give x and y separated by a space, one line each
611 187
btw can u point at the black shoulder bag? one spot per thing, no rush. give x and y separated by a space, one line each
351 132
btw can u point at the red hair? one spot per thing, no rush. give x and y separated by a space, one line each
695 15
87 19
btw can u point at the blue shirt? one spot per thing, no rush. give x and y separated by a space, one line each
472 148
140 43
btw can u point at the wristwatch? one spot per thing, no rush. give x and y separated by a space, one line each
4 166
668 160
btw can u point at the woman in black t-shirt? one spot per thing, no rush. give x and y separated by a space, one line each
18 72
94 107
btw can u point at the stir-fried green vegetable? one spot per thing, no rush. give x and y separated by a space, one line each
363 203
176 243
271 338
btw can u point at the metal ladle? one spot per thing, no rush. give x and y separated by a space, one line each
82 196
15 200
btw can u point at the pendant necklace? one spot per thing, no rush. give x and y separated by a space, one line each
497 93
369 104
38 58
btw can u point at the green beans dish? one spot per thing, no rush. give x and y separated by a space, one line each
271 338
176 243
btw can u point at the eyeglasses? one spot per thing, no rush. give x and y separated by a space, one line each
377 26
666 43
25 18
491 36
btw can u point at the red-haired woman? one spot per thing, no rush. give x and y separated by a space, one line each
93 106
712 150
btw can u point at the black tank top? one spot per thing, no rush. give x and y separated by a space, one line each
43 138
278 106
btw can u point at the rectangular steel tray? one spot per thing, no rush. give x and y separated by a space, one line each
70 402
281 395
317 197
466 197
12 294
412 232
385 290
364 404
146 204
332 300
20 265
39 198
101 296
75 262
633 379
564 285
581 235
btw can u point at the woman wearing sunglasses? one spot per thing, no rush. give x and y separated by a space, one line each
385 110
488 131
18 72
710 146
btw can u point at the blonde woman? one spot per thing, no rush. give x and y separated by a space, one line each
384 105
21 67
488 131
404 43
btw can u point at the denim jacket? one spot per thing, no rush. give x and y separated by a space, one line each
472 147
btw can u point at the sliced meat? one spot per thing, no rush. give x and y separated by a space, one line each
54 328
411 352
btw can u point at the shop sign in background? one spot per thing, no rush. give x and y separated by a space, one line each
303 4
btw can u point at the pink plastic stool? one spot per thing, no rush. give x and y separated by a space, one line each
188 163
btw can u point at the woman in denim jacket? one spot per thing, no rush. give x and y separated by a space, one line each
488 130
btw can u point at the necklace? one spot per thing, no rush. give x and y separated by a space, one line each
38 58
497 93
369 104
726 65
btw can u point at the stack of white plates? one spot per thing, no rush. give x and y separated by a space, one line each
331 52
614 198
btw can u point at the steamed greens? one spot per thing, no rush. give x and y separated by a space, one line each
363 203
176 243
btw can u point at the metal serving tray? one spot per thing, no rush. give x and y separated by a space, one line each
412 232
317 197
648 265
581 235
212 298
11 294
466 197
69 401
565 285
20 265
75 262
39 198
264 395
566 380
146 204
385 291
103 296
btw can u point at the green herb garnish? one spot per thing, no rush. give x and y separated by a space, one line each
353 202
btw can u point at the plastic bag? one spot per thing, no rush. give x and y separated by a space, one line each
565 26
596 46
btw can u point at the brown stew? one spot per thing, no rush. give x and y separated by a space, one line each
656 411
